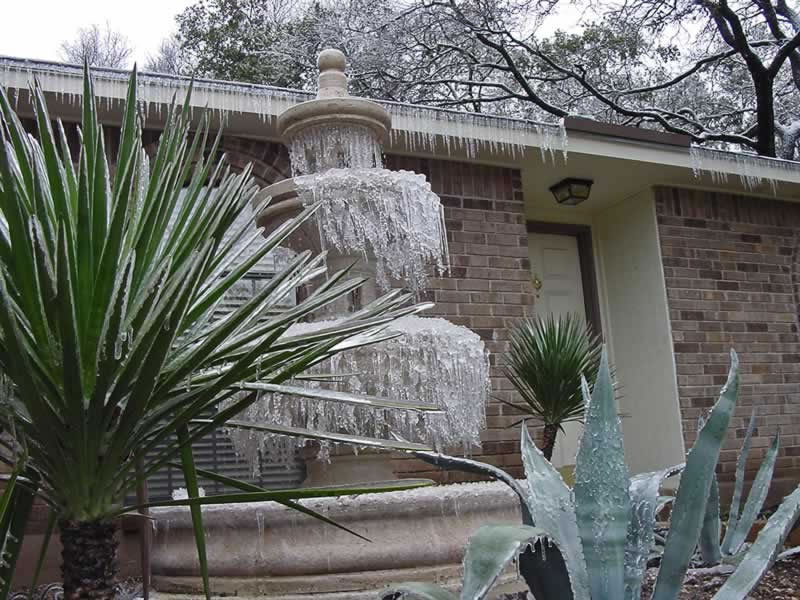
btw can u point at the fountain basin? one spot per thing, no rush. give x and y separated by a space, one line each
267 549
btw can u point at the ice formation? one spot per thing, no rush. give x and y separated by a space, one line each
316 149
455 132
433 362
750 168
469 132
391 216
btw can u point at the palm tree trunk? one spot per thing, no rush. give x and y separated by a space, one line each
549 440
88 559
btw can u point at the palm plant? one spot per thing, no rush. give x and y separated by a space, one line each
547 358
108 352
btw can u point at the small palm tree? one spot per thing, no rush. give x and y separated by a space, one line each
548 356
109 357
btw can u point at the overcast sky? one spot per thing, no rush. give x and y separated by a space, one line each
36 28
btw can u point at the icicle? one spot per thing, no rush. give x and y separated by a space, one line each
433 362
392 215
750 168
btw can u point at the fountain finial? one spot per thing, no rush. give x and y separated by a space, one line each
332 80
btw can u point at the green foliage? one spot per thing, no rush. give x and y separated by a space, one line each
585 528
547 358
739 522
110 272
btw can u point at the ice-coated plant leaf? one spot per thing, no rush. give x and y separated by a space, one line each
417 591
473 466
760 556
741 462
489 552
688 510
645 504
710 532
755 500
550 502
602 503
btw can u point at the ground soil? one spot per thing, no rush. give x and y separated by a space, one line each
782 582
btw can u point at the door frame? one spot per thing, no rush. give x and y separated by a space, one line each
583 235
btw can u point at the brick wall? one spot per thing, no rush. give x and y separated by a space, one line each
487 288
730 265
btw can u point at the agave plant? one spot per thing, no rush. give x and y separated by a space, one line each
740 519
593 542
108 352
547 358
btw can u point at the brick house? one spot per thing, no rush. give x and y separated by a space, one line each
677 255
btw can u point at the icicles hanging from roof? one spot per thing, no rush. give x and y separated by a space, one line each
417 128
750 168
471 133
155 89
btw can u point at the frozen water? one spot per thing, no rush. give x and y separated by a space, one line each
456 132
391 217
183 493
748 167
433 362
470 133
317 148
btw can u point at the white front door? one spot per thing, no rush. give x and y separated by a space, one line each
556 272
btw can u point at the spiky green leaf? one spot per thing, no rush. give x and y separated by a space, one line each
602 501
688 510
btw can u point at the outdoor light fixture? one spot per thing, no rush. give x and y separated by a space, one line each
572 191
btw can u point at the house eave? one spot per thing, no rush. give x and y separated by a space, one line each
251 110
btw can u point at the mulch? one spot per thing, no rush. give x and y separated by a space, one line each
782 582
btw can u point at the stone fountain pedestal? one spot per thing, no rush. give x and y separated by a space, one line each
267 550
344 466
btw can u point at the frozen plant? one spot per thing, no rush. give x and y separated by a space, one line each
740 518
592 542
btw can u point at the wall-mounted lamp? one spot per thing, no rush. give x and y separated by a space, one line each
572 191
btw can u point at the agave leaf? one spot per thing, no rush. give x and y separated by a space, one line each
421 591
741 463
473 466
710 531
645 503
552 509
756 498
688 510
763 552
490 550
602 501
709 542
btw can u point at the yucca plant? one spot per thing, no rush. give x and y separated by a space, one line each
108 353
593 542
547 358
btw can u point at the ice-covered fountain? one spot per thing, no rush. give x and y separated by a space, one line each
390 225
